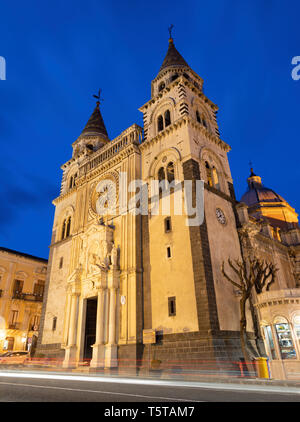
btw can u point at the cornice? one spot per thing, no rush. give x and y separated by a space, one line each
64 195
180 80
184 120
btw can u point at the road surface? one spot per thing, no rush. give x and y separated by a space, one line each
18 386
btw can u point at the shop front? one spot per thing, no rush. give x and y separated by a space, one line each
279 313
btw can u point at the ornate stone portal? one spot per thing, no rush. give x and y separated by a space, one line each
97 275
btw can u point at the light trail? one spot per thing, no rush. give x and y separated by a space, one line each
162 383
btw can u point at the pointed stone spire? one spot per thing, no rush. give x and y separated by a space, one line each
95 124
173 57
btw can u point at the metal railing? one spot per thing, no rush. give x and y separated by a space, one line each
33 297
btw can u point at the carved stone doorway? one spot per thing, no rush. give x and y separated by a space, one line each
90 327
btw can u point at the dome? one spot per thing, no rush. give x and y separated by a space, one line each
257 194
265 203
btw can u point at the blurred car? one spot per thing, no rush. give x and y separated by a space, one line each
14 358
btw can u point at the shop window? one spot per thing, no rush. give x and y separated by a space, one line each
172 306
285 341
297 328
270 342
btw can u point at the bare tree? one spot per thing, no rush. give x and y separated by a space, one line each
249 272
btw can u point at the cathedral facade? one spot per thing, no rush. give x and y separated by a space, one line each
117 278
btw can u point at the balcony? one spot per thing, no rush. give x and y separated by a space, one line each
14 326
32 297
278 297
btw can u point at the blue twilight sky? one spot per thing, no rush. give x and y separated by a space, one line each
59 53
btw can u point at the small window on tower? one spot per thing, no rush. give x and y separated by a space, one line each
160 123
167 118
170 172
208 174
169 255
215 178
54 321
61 262
198 118
68 227
172 306
168 225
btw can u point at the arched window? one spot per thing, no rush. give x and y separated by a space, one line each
215 178
161 178
204 122
198 118
161 174
208 174
66 228
173 77
63 230
167 118
160 123
71 182
170 172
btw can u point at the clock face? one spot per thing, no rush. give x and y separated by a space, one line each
106 198
220 216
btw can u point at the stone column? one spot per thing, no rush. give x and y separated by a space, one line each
99 348
71 348
111 348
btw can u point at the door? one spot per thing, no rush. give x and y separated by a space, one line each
90 327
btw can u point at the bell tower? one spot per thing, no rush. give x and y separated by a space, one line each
182 142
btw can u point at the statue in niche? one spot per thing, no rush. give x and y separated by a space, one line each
114 256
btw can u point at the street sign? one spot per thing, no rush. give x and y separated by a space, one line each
149 336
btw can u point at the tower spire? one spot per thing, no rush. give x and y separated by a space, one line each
95 124
173 57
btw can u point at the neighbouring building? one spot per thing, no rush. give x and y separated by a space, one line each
115 276
22 283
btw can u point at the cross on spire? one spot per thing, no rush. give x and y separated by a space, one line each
170 30
100 100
